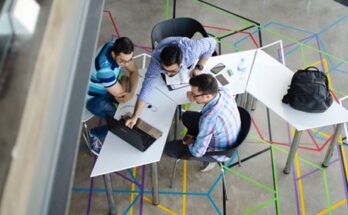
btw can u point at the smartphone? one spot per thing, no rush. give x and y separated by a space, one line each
223 81
216 69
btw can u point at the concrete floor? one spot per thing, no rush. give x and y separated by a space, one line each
313 32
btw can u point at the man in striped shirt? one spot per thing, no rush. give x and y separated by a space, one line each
107 85
215 128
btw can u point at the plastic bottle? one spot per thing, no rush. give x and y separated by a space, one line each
241 70
241 67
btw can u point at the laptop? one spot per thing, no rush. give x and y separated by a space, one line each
141 136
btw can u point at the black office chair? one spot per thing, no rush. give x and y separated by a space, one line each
178 27
245 127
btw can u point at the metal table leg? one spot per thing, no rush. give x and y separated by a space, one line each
331 148
292 152
154 178
248 102
108 187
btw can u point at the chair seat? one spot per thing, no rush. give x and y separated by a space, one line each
87 115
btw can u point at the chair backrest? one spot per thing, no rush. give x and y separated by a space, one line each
178 27
244 130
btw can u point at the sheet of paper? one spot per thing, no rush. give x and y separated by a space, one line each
183 77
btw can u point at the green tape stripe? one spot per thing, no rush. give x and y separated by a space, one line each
255 137
303 56
225 33
249 179
315 165
275 33
227 44
339 93
247 23
167 10
327 191
275 178
262 205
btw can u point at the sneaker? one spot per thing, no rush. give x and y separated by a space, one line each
344 141
96 144
207 166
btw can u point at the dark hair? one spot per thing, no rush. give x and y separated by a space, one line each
171 55
123 45
206 83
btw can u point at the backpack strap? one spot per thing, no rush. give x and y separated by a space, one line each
312 68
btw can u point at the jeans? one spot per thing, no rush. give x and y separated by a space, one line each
102 106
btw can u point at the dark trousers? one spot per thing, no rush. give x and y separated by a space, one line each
176 148
190 119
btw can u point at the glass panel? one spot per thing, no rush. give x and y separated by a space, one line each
6 31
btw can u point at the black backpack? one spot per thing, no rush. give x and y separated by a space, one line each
309 91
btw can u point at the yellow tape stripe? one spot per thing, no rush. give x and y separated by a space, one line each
343 201
299 182
299 186
184 186
344 161
134 171
163 208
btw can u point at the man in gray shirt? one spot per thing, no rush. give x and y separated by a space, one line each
170 55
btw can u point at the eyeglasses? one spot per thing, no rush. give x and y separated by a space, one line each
171 73
195 96
125 62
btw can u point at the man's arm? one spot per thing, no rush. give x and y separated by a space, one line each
200 146
134 78
152 75
206 46
139 105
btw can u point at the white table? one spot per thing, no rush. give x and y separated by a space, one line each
117 155
268 82
237 81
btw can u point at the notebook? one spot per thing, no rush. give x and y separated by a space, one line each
175 86
141 136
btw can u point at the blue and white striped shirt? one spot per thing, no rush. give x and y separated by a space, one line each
192 50
219 126
105 72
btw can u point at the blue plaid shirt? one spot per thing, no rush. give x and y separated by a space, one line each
192 50
219 126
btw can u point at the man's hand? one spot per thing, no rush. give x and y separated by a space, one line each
131 122
188 139
124 97
195 72
189 95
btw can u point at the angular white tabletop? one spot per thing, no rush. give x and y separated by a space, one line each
117 155
269 81
237 81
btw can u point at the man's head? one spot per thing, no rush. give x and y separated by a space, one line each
204 87
171 58
122 51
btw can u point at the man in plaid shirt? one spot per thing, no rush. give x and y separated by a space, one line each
215 128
